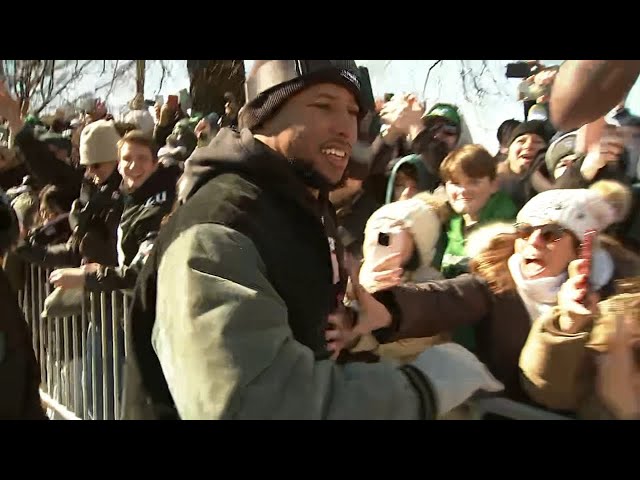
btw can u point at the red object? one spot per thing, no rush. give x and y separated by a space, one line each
586 251
172 101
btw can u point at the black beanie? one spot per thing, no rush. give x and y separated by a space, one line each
265 105
536 127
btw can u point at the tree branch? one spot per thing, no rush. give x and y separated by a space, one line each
164 73
74 76
424 88
117 73
113 80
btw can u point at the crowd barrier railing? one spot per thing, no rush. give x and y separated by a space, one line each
82 356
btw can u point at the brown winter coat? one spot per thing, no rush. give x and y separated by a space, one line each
558 369
501 321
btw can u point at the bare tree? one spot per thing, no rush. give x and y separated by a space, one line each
477 80
210 79
36 83
39 84
426 80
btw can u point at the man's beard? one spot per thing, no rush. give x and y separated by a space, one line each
309 176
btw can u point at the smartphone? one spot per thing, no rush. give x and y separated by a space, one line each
518 70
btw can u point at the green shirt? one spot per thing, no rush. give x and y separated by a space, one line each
455 261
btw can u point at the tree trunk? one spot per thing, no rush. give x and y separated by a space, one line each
140 74
211 79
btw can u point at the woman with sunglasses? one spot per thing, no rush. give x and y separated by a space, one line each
583 358
517 272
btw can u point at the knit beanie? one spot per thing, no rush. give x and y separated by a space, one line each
560 148
99 143
258 110
536 127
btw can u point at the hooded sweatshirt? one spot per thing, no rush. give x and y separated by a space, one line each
144 210
249 263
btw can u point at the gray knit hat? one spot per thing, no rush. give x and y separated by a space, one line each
272 82
560 148
99 143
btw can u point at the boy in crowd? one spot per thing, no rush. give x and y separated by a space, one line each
471 186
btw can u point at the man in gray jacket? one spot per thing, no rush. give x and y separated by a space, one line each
231 309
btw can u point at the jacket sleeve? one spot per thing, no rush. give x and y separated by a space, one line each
45 167
107 279
50 256
160 133
553 363
227 352
431 308
381 155
572 176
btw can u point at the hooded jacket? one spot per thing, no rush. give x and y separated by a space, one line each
230 310
428 177
94 220
45 167
143 213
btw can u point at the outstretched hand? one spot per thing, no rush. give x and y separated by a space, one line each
9 107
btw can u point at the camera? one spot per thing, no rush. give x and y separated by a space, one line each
519 70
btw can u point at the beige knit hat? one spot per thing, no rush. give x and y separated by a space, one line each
99 143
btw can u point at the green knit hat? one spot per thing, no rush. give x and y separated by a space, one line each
444 110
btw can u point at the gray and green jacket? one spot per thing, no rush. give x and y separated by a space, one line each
231 307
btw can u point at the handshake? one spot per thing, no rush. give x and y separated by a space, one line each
454 373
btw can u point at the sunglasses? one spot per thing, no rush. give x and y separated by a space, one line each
551 232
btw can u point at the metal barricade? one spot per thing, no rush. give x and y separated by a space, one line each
81 356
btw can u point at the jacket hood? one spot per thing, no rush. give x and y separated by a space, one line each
416 161
241 153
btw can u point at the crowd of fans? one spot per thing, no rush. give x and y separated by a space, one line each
461 246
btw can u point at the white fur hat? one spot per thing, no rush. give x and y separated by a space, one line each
99 143
579 210
420 218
